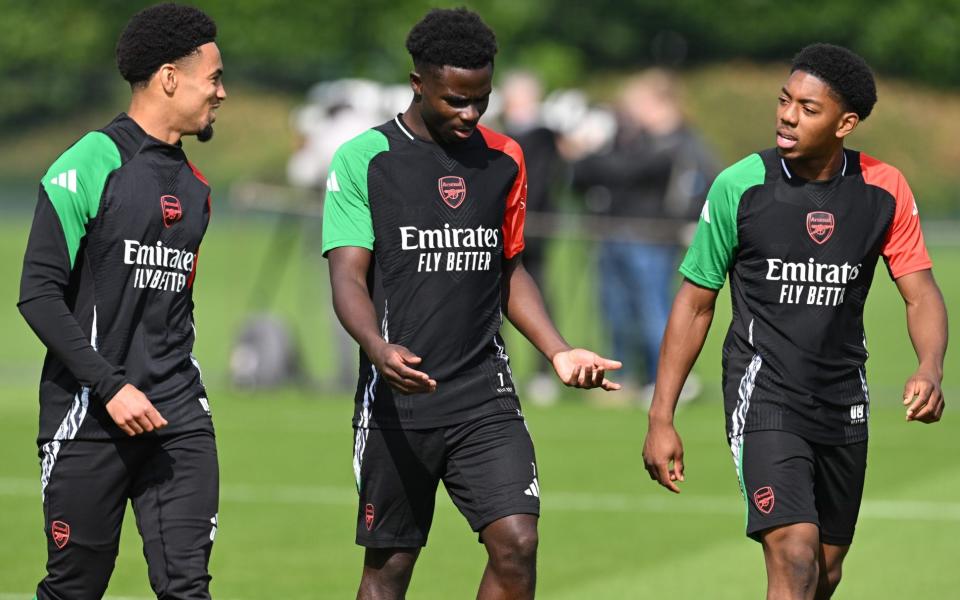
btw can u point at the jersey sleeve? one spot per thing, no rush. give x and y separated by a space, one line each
515 214
69 198
904 249
347 220
715 242
74 183
515 211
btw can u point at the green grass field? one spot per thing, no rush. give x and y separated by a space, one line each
288 506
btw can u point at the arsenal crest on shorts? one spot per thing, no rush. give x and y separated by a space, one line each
453 190
170 207
368 516
820 226
763 498
60 532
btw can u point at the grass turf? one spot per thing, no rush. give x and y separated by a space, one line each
288 507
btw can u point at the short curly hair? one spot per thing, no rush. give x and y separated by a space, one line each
158 35
845 72
454 37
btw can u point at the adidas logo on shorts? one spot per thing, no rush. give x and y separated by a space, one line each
534 489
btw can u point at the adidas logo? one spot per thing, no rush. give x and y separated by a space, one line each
332 185
534 489
67 180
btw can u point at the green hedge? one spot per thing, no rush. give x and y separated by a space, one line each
57 55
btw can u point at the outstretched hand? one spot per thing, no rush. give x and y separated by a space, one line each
395 364
585 369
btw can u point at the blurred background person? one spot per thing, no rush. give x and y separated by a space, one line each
521 95
335 112
652 180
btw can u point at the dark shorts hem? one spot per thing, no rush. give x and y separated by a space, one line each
754 532
485 520
835 540
395 543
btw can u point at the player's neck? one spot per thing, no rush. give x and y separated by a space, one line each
143 111
414 122
818 168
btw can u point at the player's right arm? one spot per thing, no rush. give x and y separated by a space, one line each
705 270
686 331
351 302
348 239
69 199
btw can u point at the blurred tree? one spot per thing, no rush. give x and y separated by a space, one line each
56 55
53 55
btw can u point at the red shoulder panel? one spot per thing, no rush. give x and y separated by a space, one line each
196 259
516 211
198 174
904 248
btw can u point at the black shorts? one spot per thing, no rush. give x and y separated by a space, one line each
487 465
785 479
173 484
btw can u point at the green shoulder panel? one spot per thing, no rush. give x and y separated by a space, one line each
347 220
709 256
75 182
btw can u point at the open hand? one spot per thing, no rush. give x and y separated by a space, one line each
585 369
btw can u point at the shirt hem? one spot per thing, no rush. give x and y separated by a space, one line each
699 280
342 243
508 415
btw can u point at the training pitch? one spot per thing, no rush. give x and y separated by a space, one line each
288 505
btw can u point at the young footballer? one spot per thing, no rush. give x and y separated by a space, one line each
423 228
799 229
107 286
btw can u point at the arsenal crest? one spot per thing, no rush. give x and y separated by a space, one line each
820 226
763 498
170 207
60 532
453 190
368 516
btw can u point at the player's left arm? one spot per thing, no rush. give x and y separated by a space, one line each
908 261
927 326
524 306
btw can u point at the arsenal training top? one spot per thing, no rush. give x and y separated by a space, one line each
801 256
107 282
439 221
